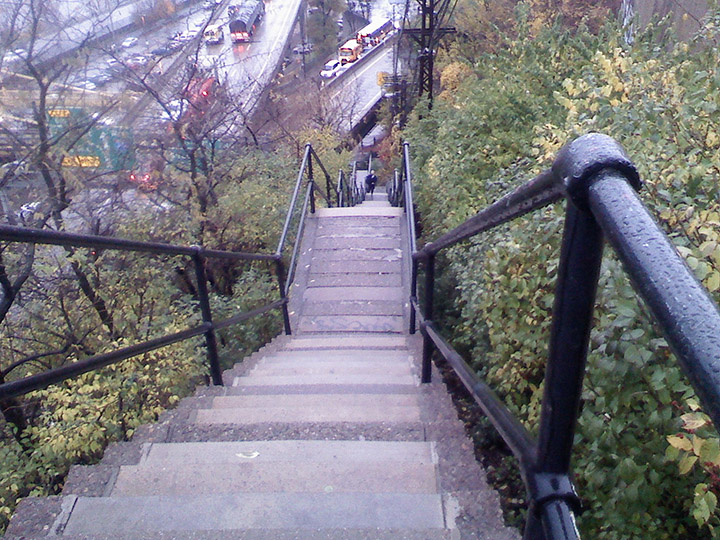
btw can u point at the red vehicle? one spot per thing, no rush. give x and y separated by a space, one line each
200 94
244 18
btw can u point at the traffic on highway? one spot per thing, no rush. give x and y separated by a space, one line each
203 67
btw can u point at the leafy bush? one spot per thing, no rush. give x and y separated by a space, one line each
147 296
639 414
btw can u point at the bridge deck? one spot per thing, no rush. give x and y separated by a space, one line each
326 434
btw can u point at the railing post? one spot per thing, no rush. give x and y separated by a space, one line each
280 271
578 271
311 181
429 297
341 189
329 190
413 295
210 341
577 166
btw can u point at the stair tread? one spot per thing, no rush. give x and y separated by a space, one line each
328 401
246 475
271 534
307 451
95 515
280 380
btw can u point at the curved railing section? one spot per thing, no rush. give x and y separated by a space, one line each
600 181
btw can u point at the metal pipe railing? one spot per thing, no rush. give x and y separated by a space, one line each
538 192
293 200
354 188
341 188
53 376
599 180
206 311
405 186
685 312
198 255
296 246
10 233
329 188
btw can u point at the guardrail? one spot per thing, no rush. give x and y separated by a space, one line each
199 256
600 183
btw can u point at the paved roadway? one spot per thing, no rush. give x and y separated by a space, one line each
249 67
357 89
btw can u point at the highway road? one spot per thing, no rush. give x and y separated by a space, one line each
356 91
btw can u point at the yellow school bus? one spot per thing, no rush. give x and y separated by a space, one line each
350 51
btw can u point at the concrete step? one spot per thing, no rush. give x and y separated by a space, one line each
350 341
337 231
324 294
351 323
329 409
200 453
246 475
355 267
314 401
349 353
353 307
355 280
331 389
332 242
267 511
358 220
288 415
357 254
352 228
389 211
340 362
372 201
271 534
281 380
330 368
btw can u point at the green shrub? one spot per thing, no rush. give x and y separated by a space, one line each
639 414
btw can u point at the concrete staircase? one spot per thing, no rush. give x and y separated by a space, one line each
326 434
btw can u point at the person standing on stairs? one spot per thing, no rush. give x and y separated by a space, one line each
370 181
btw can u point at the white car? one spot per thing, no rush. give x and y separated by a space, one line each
87 85
303 49
175 109
129 42
331 69
14 57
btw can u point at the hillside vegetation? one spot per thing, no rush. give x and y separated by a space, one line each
52 323
647 459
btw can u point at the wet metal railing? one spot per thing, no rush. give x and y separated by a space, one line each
198 254
600 183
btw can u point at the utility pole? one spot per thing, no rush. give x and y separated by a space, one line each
427 38
303 37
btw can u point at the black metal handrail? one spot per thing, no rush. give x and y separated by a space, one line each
341 189
354 189
599 180
208 328
199 256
